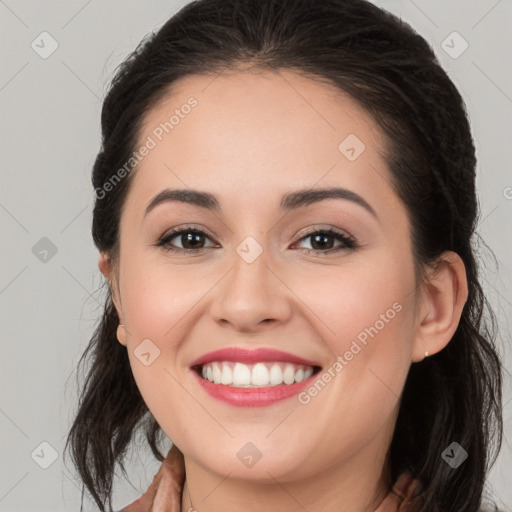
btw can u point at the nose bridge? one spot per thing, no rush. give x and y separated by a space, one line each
250 277
251 292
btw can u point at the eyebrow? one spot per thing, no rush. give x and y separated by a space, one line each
289 201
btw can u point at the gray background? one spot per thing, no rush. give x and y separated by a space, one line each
50 134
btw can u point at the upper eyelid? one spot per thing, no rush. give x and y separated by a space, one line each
179 230
318 228
306 232
300 236
175 232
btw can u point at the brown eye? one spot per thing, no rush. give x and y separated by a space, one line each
322 241
191 240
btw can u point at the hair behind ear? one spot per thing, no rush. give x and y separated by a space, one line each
110 409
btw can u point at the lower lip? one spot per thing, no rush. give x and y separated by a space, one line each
252 397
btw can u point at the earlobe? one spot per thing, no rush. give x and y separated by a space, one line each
105 266
444 296
121 334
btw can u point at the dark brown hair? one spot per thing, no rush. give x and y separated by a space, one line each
454 395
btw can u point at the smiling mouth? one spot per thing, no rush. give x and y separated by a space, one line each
258 375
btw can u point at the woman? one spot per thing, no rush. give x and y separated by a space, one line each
285 209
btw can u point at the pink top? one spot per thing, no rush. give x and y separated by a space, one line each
164 493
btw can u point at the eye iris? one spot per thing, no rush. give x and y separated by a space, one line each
321 237
190 237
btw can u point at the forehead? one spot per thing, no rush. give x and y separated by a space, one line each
279 107
256 133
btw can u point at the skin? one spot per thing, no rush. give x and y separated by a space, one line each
252 138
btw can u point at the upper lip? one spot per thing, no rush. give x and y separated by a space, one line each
242 355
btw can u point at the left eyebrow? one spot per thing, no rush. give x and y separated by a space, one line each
195 197
290 201
305 197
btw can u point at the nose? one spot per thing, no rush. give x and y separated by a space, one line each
252 296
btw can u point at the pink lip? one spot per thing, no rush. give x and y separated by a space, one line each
243 355
252 397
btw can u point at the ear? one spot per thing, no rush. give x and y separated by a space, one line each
106 268
443 298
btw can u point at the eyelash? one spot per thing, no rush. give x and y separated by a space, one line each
349 242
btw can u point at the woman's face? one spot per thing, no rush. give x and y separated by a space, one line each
261 277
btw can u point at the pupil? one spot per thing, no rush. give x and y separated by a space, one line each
322 244
191 237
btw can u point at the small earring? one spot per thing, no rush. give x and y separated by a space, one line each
426 353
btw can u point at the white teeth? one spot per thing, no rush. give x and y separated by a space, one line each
299 375
241 375
260 375
289 374
276 375
227 375
255 375
217 375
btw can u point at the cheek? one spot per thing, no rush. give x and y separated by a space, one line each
366 300
356 397
366 317
159 299
161 303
